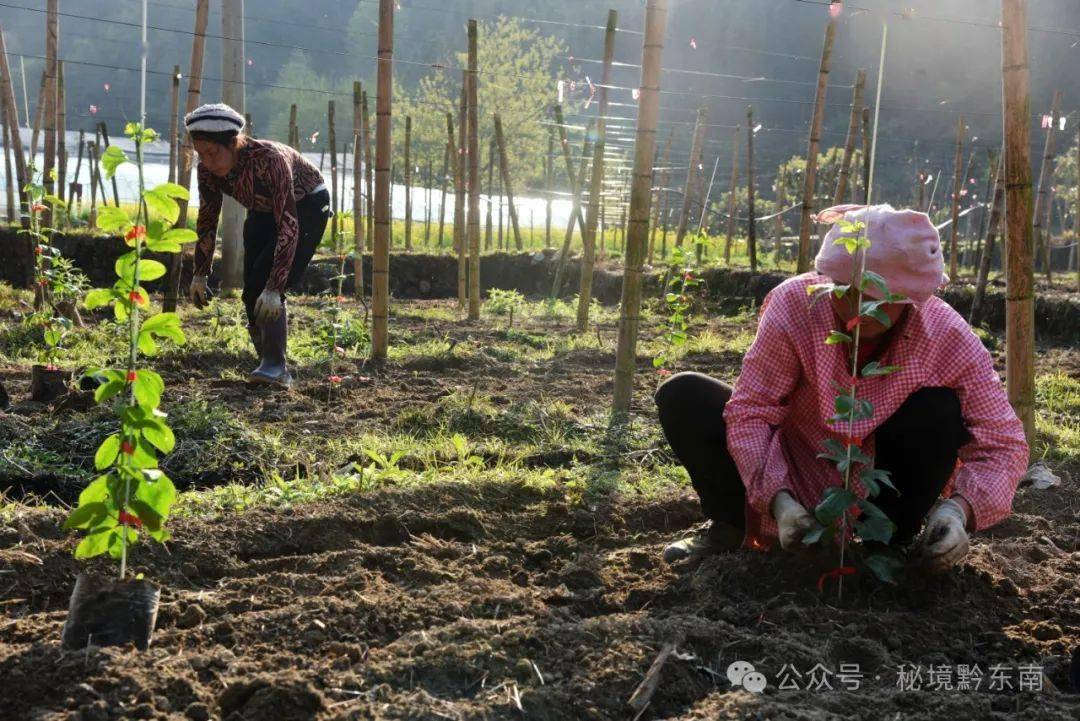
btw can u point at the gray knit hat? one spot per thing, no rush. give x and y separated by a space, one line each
214 118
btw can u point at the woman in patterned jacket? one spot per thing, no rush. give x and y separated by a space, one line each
288 207
752 450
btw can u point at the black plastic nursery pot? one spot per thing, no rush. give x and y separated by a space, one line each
110 612
48 383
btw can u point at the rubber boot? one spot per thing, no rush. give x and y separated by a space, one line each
273 370
255 333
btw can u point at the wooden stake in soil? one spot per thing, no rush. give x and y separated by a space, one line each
186 160
489 222
1019 257
448 153
1076 216
52 33
174 123
357 200
736 139
427 207
408 182
640 197
1046 182
11 113
380 263
508 188
588 240
810 175
570 174
61 139
9 179
331 127
988 248
474 178
115 188
369 172
958 184
95 182
849 142
576 183
661 192
781 201
39 114
866 155
461 241
549 185
691 174
644 692
751 223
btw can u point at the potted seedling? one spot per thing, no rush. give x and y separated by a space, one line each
131 497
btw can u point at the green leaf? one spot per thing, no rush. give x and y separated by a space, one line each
164 325
150 518
160 203
871 477
875 529
835 501
884 567
147 387
160 435
172 190
96 492
125 268
54 201
160 245
836 337
816 534
86 515
871 278
98 297
159 495
110 218
880 316
95 543
52 337
145 455
107 452
113 158
150 270
108 390
873 368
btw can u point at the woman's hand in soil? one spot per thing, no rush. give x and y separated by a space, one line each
945 541
792 519
197 291
268 306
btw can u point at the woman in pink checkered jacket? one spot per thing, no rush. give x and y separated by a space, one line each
942 425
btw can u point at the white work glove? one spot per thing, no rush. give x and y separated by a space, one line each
197 291
944 541
267 306
792 519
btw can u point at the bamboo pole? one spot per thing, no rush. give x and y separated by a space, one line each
11 114
39 115
570 174
751 225
369 172
294 131
474 177
734 184
781 201
1019 266
489 219
1041 226
61 138
52 33
174 122
549 185
105 139
641 192
866 155
357 200
408 182
588 240
427 208
988 248
9 179
461 241
691 175
1076 216
849 142
810 176
958 184
95 181
331 126
499 191
448 152
508 187
380 264
661 193
186 159
987 196
576 183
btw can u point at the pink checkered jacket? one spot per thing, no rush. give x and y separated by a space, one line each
777 416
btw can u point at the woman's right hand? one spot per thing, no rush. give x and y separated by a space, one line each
792 520
197 292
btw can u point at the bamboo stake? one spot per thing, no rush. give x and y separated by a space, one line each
39 114
549 182
380 265
576 183
489 222
474 178
174 124
849 142
52 32
100 177
691 174
294 132
1019 267
988 248
369 172
61 139
1076 216
781 201
461 241
570 174
751 227
447 153
186 159
95 182
427 208
509 188
331 126
9 180
661 193
408 183
810 176
866 155
988 196
357 200
958 184
115 188
588 240
11 116
1046 181
498 192
640 197
731 195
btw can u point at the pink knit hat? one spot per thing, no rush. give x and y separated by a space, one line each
905 250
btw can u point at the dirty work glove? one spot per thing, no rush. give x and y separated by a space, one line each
944 542
197 292
267 306
792 519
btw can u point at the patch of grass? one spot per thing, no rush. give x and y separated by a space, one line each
1057 418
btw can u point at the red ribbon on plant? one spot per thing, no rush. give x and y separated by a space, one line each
850 325
137 231
39 208
663 372
131 376
834 573
853 441
335 379
126 519
128 447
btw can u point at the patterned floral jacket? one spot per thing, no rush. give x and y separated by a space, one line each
268 178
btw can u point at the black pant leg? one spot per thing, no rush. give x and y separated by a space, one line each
313 212
691 410
918 445
260 239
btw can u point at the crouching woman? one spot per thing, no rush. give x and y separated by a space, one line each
942 426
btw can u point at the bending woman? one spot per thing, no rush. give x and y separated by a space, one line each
288 206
